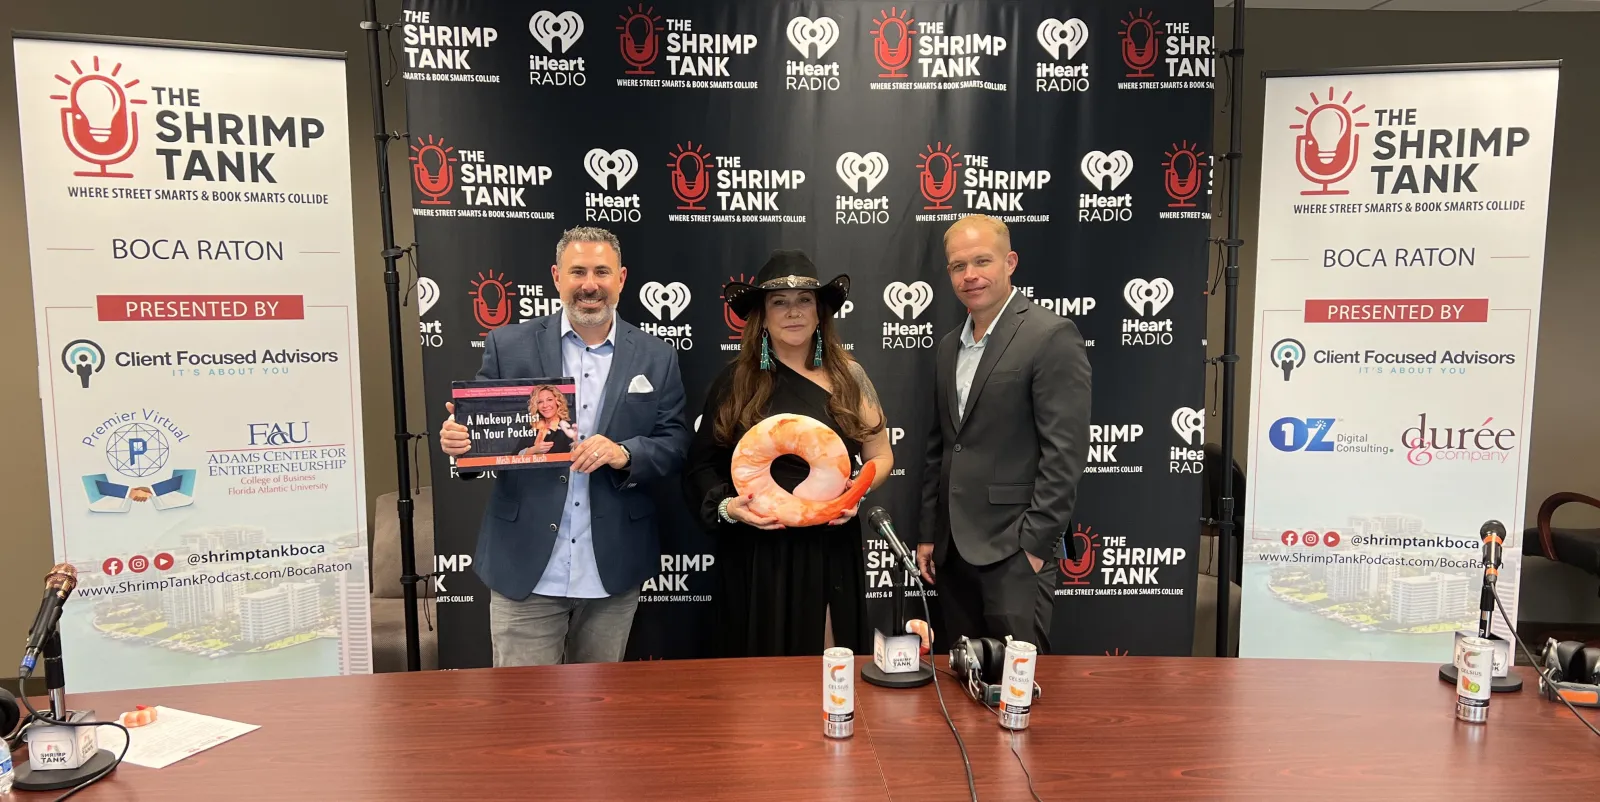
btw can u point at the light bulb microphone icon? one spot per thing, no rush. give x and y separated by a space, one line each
689 180
639 43
1182 179
938 180
1139 57
98 126
892 50
1326 152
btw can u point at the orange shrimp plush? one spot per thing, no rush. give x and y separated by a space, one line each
825 493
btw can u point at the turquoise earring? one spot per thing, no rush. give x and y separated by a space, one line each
816 356
766 352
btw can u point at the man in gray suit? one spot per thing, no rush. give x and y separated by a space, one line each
565 551
1008 444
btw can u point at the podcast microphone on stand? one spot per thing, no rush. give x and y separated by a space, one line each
58 585
1493 535
897 656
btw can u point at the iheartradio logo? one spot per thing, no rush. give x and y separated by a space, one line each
550 29
427 295
1141 294
1189 424
806 35
432 169
1053 34
1102 169
908 301
1327 147
855 169
620 165
665 301
97 123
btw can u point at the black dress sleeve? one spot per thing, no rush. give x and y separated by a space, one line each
708 478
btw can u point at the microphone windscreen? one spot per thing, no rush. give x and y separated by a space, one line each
1492 528
878 518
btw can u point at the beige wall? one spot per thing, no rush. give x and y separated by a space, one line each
25 553
1564 439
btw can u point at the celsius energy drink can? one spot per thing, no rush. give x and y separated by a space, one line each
1016 697
838 693
1474 667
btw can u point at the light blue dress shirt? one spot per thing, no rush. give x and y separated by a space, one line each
970 354
572 572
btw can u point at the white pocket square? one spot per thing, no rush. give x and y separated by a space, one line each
640 384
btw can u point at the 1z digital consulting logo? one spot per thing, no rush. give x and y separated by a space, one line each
1190 426
813 38
666 302
98 123
944 61
1147 299
557 34
1061 37
443 52
1164 55
907 302
612 170
699 56
862 173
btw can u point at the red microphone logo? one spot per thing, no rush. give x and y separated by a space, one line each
691 176
431 170
491 301
891 41
1327 147
735 323
1183 174
1076 572
939 171
1141 43
97 124
638 37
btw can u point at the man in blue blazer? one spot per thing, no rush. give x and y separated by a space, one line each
564 552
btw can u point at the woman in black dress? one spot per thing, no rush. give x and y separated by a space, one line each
783 591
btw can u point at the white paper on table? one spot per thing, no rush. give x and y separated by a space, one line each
173 736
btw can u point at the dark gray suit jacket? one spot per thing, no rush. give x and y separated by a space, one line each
519 526
1005 476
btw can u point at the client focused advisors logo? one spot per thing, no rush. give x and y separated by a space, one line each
1165 55
1484 444
666 302
1184 175
1190 426
1104 439
907 302
433 169
557 34
1326 145
612 170
862 173
1061 38
813 38
492 298
696 59
1105 172
98 123
137 446
1286 355
83 358
732 191
439 51
1147 299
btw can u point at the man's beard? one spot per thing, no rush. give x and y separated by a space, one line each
599 317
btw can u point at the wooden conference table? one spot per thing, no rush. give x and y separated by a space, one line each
1106 728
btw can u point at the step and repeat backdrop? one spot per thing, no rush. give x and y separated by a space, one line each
707 134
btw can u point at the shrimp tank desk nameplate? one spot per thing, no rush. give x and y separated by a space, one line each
517 423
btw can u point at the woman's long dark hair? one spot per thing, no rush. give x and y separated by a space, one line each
750 388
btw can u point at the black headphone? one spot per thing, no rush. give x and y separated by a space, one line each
10 714
1571 669
980 665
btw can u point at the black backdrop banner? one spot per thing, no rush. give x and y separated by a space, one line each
705 134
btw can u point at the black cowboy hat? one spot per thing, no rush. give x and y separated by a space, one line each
785 270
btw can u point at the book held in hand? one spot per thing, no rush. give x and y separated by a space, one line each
516 423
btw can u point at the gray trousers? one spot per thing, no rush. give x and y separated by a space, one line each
546 630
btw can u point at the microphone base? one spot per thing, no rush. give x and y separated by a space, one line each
29 779
901 679
1510 683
